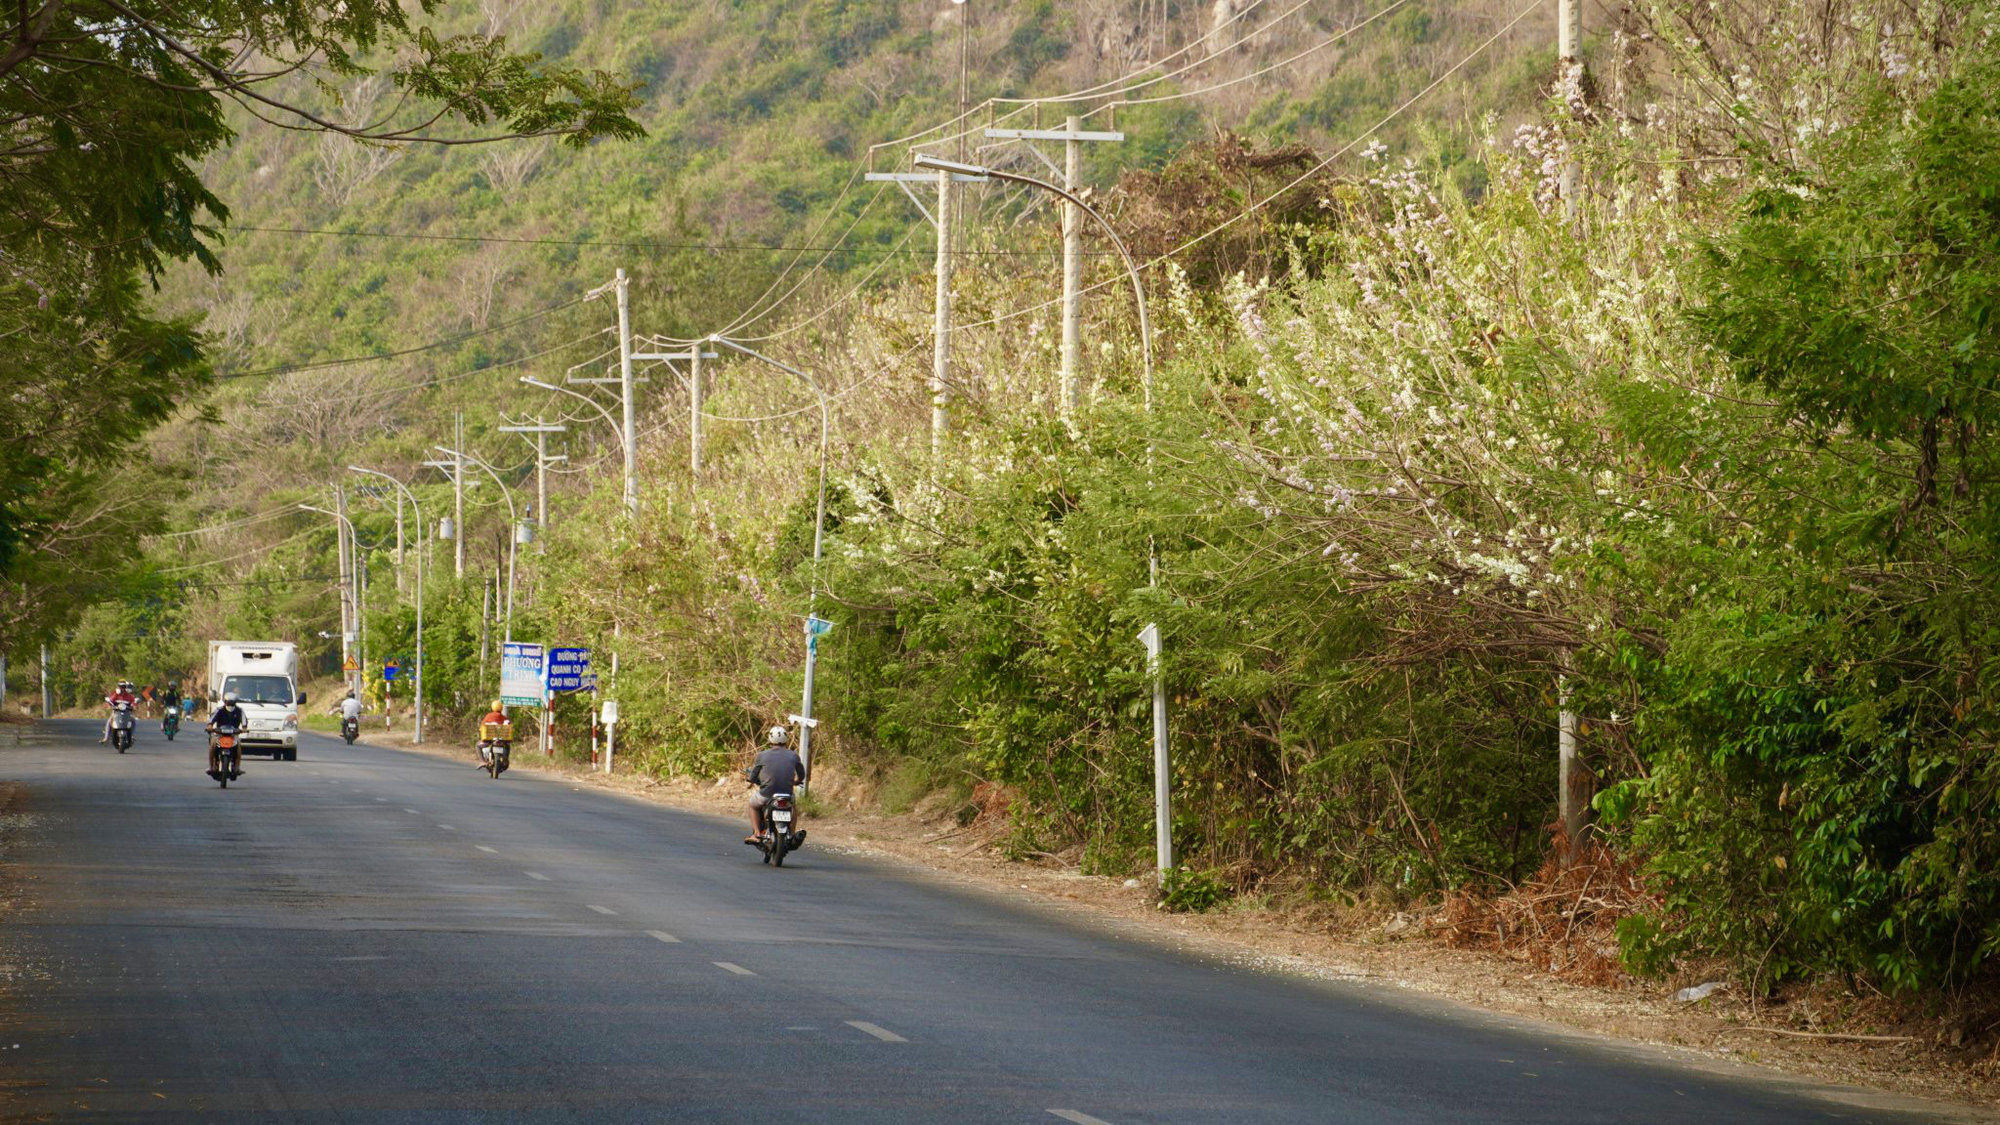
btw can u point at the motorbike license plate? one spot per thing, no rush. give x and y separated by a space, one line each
781 816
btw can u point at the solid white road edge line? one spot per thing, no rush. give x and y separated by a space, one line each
882 1033
730 966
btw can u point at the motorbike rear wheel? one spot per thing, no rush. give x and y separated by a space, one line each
780 841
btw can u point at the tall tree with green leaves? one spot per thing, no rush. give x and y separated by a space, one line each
109 107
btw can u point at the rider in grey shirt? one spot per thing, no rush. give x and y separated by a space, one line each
776 770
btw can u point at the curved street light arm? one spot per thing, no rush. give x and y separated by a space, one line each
616 428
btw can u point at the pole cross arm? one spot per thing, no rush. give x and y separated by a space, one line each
1051 135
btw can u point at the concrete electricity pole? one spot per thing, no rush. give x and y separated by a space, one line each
458 499
941 348
625 392
342 528
693 355
1572 781
399 544
694 420
1569 61
941 344
350 618
541 430
1072 136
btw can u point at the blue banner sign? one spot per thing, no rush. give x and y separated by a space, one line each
569 670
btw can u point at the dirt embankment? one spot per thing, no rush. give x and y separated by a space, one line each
1825 1034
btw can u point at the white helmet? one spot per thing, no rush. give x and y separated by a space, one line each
777 736
229 697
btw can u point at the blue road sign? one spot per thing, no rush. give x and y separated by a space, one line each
390 670
568 669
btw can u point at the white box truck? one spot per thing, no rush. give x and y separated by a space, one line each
264 676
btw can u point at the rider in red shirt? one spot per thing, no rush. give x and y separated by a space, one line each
127 695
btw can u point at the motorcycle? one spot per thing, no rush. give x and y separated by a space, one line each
121 725
781 833
225 757
496 745
350 729
170 721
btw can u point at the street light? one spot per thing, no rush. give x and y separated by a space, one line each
521 533
349 593
417 737
819 536
1163 838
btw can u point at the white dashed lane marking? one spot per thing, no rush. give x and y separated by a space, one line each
882 1033
664 936
447 828
487 850
602 909
536 875
413 812
1079 1118
732 967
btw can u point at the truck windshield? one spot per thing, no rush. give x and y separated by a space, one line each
259 689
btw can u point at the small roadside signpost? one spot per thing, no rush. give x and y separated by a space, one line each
389 671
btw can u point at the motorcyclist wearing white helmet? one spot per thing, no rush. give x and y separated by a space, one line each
128 694
777 770
350 708
226 714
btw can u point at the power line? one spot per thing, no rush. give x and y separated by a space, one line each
1302 177
319 365
836 247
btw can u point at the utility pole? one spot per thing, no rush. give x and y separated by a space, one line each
1572 780
541 430
347 606
694 433
1072 232
694 355
941 345
399 544
458 498
625 391
1073 138
46 709
1569 56
941 353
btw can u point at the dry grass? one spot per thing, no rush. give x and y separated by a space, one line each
1563 920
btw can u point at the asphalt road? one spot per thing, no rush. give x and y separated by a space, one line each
373 935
